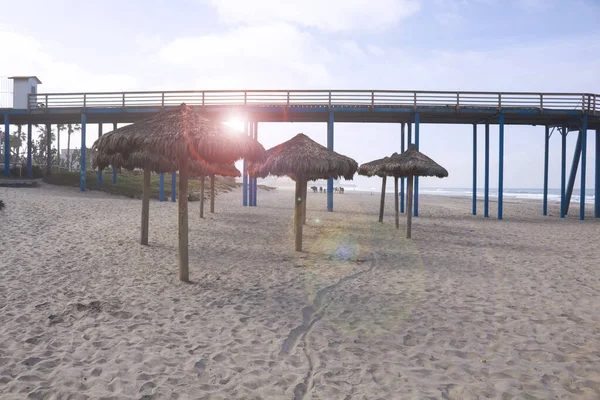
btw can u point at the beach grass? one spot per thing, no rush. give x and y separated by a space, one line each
129 184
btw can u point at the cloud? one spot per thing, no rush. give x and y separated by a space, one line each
282 56
330 15
521 67
269 56
30 58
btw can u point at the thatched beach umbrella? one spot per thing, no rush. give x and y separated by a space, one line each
303 160
409 164
372 169
180 135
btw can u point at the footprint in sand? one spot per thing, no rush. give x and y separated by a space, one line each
200 367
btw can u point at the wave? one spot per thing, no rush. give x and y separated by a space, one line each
525 194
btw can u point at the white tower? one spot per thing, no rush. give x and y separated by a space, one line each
23 86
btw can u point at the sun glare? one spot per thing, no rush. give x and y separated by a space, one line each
236 124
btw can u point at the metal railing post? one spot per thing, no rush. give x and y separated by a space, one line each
203 98
499 101
46 105
589 102
123 100
415 101
372 100
288 99
84 100
330 99
162 104
541 102
245 98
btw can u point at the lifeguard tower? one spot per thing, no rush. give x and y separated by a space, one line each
23 86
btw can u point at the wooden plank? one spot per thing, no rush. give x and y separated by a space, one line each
397 218
298 216
382 202
409 201
212 194
304 195
145 207
184 275
201 197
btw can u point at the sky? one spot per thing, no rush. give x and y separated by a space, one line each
467 45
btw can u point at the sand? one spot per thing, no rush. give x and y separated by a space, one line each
469 308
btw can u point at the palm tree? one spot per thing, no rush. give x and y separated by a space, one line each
71 128
39 150
16 142
59 127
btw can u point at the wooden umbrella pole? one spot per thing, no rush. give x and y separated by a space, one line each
145 206
382 204
396 202
212 193
304 190
184 274
202 197
298 215
409 201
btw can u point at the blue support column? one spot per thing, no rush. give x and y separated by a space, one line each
161 187
6 145
174 187
409 133
330 147
255 179
501 167
416 200
83 148
563 171
597 183
245 174
474 169
99 170
251 179
486 173
546 157
29 148
402 138
584 126
573 174
49 149
114 171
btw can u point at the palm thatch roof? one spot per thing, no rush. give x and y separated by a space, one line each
302 157
224 170
372 168
178 133
146 160
411 162
138 159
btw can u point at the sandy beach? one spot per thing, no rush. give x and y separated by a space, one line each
467 309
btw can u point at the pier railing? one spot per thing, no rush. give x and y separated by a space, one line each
585 102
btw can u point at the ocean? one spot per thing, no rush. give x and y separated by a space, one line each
509 193
530 194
